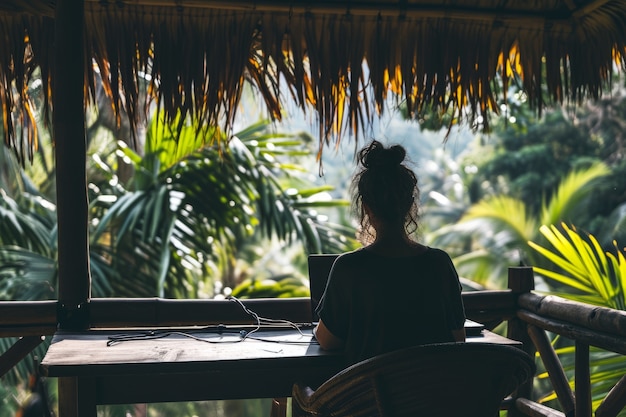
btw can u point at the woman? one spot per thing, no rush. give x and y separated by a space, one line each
394 292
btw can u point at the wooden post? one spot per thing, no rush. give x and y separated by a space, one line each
614 401
70 152
279 407
22 347
555 369
521 280
582 385
77 397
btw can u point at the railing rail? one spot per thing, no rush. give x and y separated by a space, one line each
586 325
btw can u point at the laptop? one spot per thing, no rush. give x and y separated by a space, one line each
319 270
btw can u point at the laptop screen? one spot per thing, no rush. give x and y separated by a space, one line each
319 269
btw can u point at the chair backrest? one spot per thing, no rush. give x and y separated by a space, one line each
438 380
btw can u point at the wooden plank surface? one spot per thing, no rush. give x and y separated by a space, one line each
88 353
179 368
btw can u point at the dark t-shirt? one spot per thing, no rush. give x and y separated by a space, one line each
377 304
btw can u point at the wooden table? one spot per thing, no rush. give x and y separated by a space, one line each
179 368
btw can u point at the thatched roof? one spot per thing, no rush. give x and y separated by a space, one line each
341 57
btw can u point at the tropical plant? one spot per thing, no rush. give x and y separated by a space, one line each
194 204
526 162
586 273
275 287
492 235
27 272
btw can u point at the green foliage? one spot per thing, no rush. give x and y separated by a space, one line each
574 195
528 162
27 222
189 211
589 274
606 369
194 205
9 400
492 234
528 165
27 247
27 253
26 275
278 287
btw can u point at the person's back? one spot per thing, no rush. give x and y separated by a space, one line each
394 292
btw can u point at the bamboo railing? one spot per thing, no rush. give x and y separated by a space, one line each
529 317
586 325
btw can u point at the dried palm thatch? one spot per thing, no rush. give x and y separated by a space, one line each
342 58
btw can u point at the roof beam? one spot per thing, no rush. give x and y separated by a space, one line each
532 18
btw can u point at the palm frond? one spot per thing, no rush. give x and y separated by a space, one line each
27 222
571 194
26 275
187 212
506 213
583 267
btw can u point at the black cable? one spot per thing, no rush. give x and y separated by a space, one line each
158 334
264 320
220 329
251 313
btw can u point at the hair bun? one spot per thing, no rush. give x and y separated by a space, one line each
376 155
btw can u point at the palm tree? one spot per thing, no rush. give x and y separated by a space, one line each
194 205
492 235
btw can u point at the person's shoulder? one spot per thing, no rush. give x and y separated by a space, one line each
440 260
345 267
347 259
436 253
350 256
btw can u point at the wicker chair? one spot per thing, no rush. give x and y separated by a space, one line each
446 380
